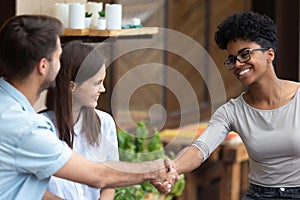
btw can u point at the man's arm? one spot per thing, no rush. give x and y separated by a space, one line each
114 174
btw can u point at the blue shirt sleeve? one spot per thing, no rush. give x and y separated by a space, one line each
40 151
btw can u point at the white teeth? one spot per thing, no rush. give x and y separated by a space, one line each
244 71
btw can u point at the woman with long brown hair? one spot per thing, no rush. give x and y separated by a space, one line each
71 106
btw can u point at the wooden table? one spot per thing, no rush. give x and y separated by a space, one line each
234 176
224 175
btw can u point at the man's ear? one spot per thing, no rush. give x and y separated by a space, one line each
42 66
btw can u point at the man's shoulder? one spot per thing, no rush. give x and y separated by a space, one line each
13 115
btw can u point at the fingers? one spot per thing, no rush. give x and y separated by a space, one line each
170 167
169 178
163 188
168 164
172 175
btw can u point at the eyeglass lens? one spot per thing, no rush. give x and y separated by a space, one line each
242 57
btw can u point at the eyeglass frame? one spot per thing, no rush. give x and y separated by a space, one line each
239 53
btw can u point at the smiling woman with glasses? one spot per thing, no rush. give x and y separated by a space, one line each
266 115
243 56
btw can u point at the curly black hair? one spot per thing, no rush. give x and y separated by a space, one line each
247 26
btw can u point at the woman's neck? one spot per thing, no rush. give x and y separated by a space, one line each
265 96
76 113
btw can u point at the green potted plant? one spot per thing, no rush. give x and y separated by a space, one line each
101 21
88 19
139 147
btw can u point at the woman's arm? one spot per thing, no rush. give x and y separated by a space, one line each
50 196
193 156
188 159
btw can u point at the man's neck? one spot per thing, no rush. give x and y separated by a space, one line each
27 88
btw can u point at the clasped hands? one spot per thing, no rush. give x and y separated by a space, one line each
167 178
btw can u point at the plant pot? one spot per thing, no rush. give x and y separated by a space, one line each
101 23
88 22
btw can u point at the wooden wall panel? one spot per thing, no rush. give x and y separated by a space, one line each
219 11
8 9
287 19
187 17
145 96
198 19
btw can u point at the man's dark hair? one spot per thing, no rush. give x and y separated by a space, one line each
24 40
247 26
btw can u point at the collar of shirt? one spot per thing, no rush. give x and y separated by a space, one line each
16 94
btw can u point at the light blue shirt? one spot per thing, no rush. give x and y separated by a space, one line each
30 152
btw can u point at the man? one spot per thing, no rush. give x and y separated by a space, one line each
29 149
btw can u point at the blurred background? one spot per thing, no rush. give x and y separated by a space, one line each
196 19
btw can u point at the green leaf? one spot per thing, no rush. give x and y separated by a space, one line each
141 130
136 148
101 13
87 14
178 187
154 143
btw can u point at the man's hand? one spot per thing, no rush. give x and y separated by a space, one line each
165 186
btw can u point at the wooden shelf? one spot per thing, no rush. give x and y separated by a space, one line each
124 32
111 33
76 32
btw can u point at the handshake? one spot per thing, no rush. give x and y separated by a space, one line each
165 177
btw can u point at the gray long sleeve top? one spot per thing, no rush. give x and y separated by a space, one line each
271 137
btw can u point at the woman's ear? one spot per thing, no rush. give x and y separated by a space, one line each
271 55
72 86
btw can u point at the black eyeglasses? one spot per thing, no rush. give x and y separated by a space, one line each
242 56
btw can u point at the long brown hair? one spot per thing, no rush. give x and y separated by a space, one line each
79 62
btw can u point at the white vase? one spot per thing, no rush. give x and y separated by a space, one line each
88 22
76 16
101 23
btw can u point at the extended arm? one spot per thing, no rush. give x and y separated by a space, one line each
188 159
113 174
192 157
